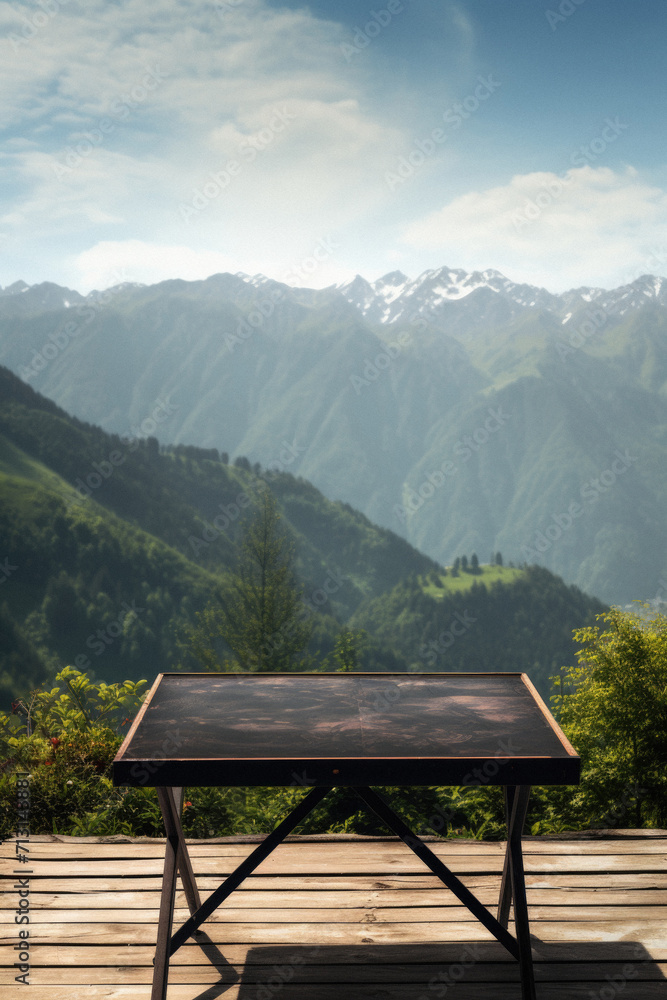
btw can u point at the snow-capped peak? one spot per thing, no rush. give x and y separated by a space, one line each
489 297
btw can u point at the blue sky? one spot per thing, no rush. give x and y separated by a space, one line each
143 141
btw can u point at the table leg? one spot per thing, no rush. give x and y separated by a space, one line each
416 844
176 858
505 898
184 863
161 961
519 797
248 866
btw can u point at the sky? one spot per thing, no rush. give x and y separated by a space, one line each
151 139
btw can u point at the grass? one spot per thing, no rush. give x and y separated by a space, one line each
465 580
14 462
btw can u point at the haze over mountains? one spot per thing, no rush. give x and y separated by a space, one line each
461 410
111 546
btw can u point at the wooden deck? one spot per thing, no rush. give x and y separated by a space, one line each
343 918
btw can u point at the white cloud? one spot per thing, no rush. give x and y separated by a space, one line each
218 83
590 226
109 263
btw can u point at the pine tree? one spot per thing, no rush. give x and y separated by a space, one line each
259 617
348 648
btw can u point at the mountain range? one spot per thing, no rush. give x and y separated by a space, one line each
463 411
109 546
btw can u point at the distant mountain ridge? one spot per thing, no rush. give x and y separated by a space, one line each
395 297
110 546
380 394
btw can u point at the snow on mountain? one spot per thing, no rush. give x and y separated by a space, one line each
15 289
395 297
459 299
21 298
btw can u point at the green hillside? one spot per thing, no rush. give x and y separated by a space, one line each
87 588
442 585
526 408
503 619
111 546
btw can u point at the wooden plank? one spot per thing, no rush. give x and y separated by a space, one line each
333 882
645 930
487 972
342 838
278 864
382 931
378 851
113 956
339 899
323 915
307 991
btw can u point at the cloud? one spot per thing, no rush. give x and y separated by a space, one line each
126 112
589 226
122 120
110 263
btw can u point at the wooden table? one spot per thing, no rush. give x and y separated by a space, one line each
344 729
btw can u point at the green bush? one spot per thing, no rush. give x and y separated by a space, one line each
609 705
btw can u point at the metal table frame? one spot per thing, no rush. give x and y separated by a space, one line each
512 889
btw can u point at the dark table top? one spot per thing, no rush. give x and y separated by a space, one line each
344 729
